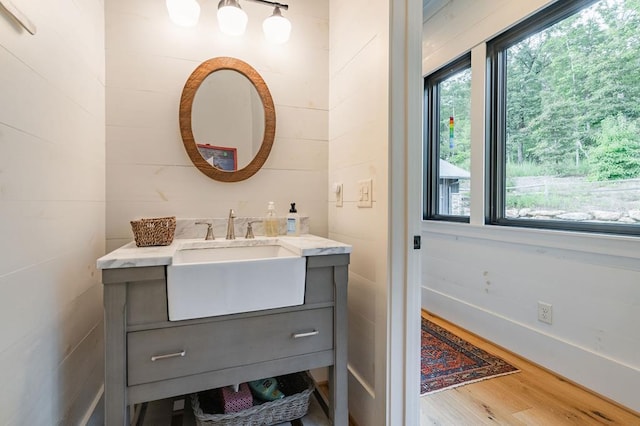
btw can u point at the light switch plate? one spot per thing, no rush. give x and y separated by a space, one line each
365 193
339 193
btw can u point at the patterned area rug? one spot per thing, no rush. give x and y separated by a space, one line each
449 361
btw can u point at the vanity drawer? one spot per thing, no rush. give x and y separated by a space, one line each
180 351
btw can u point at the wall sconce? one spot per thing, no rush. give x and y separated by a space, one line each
232 19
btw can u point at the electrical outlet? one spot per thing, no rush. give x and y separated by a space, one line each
545 312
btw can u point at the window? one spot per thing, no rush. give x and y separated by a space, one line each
448 141
564 125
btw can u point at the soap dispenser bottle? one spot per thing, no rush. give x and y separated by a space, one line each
293 221
271 221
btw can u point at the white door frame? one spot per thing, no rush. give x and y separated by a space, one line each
405 189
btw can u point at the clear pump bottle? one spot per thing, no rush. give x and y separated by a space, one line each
293 221
271 221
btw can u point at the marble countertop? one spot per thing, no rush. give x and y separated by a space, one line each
130 256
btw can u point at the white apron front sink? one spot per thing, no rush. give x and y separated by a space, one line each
214 280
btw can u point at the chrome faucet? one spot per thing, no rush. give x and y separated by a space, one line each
231 233
209 235
249 235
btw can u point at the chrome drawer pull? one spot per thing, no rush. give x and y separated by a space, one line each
308 334
174 355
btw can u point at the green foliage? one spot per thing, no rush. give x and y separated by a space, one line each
561 169
566 168
617 151
526 168
565 81
535 200
522 201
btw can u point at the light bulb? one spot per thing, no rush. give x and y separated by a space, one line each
231 18
184 12
277 28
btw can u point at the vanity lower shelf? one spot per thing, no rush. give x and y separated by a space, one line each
177 411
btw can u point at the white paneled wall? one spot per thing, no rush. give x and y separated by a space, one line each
52 212
358 149
148 61
489 279
456 26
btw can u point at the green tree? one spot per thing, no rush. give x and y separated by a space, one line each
564 81
617 151
524 102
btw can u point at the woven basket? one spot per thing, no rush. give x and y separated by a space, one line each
154 232
298 387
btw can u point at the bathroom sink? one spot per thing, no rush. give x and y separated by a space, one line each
219 280
225 254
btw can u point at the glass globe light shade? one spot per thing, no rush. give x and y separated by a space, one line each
277 28
231 18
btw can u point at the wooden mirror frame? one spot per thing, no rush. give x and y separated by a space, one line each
192 85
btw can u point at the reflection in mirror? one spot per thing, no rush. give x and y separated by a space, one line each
227 120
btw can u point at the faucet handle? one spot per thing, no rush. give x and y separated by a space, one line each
249 234
209 235
231 233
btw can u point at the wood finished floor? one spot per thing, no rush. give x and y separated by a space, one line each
533 396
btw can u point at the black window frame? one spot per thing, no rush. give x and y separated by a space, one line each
431 151
495 191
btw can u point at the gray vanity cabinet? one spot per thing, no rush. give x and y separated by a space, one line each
148 357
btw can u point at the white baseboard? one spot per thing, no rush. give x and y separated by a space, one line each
362 400
92 417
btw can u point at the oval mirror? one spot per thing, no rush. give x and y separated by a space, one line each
227 119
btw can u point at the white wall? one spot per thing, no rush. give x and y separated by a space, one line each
52 210
489 279
358 149
148 61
